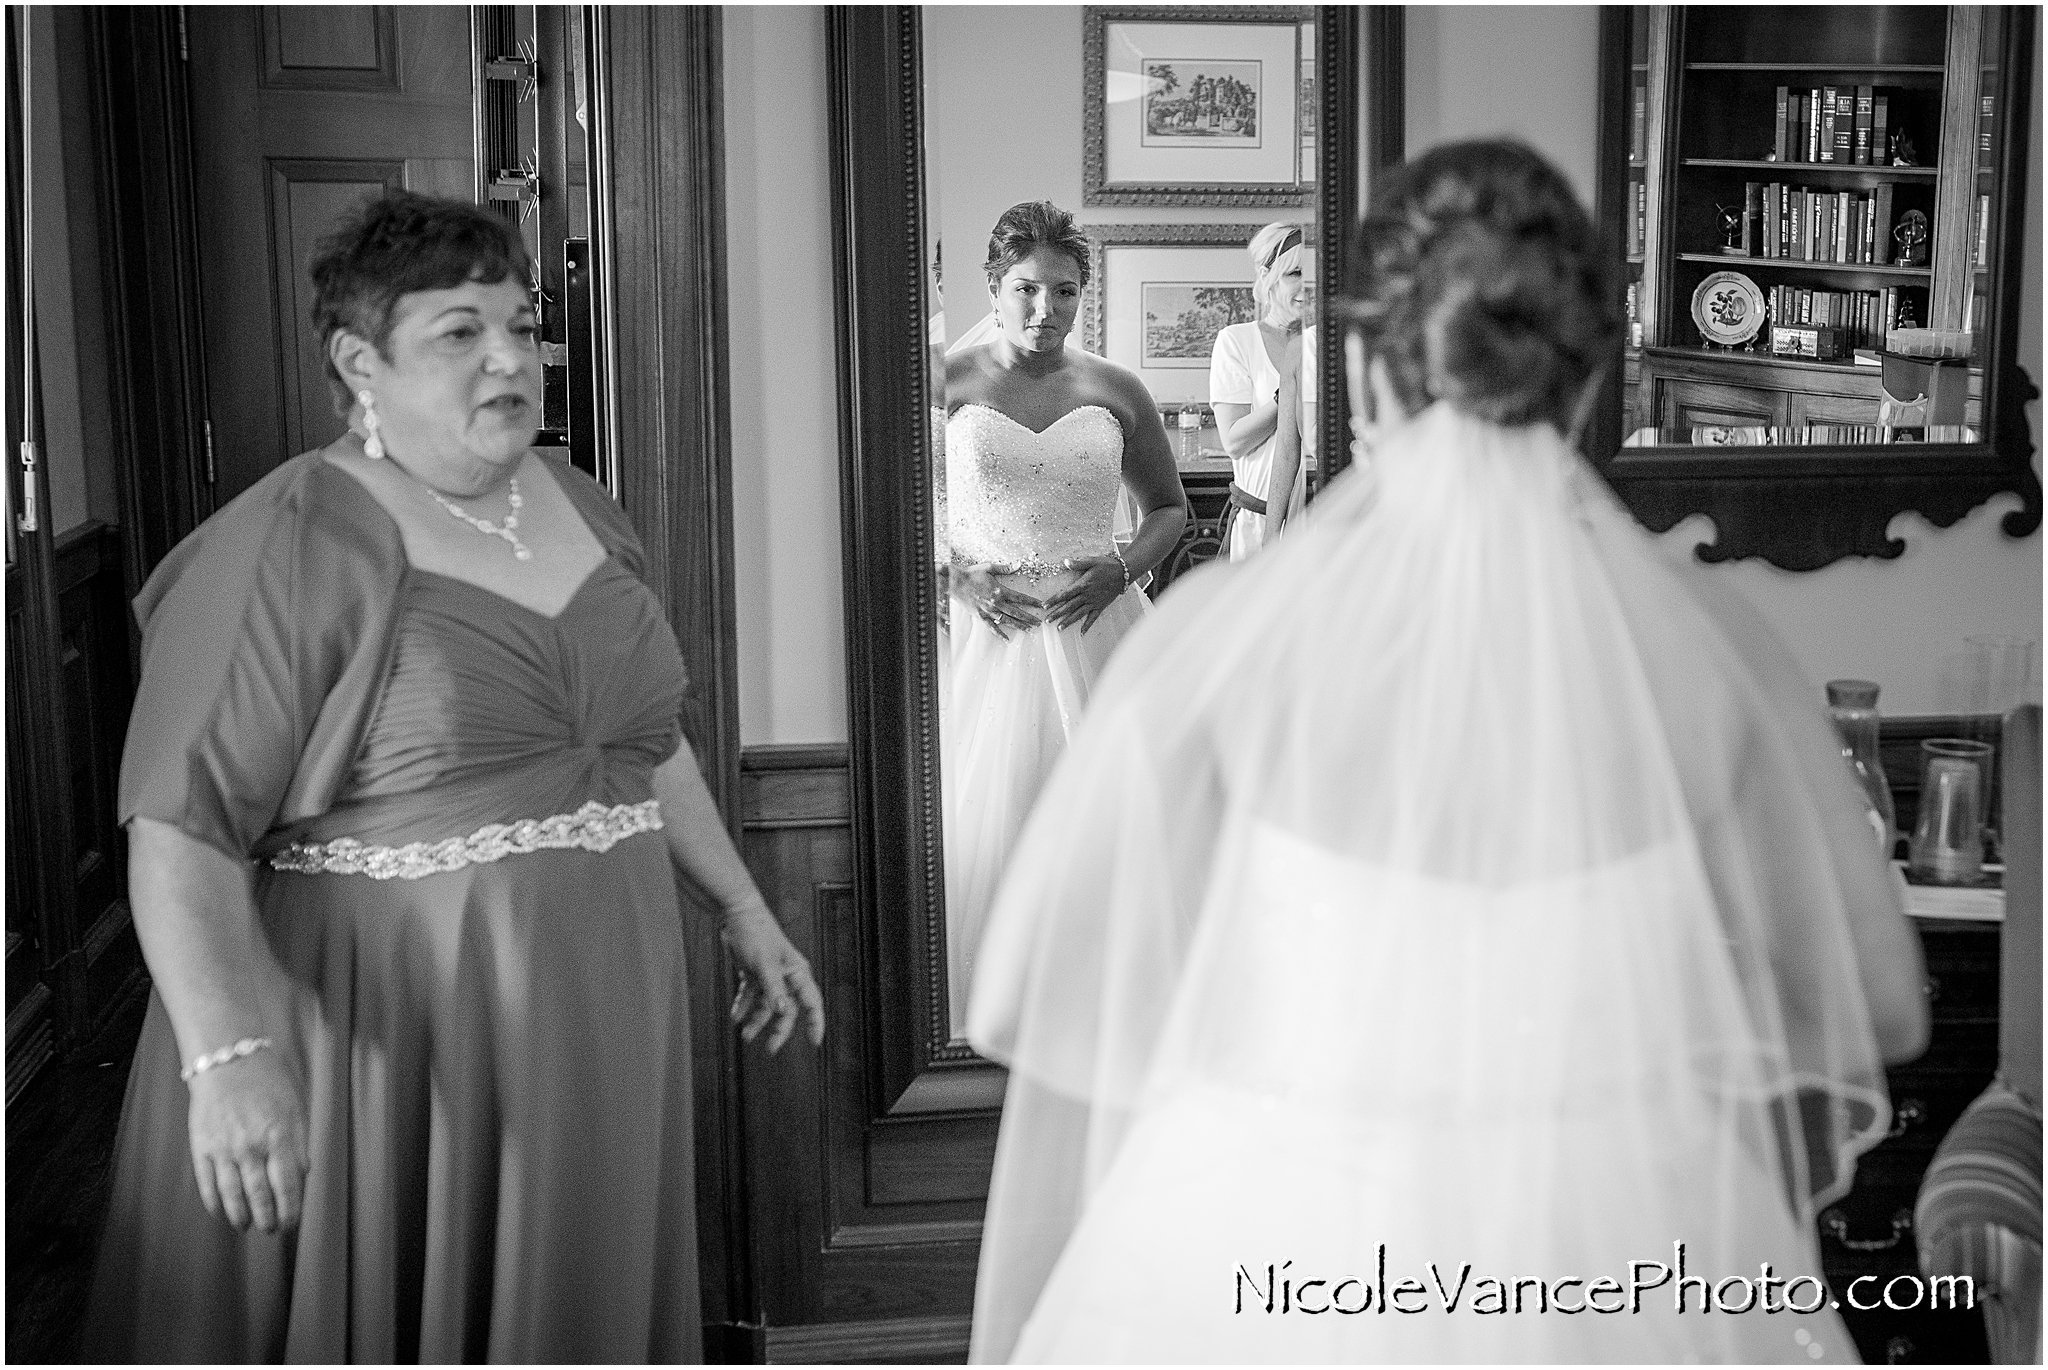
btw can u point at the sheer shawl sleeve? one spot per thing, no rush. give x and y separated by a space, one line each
264 640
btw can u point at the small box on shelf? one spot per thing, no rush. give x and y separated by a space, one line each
1813 342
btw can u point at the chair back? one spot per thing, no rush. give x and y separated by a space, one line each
2019 988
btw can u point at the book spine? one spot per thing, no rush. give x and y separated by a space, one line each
1813 124
1845 226
1983 230
1881 226
1779 146
1845 125
1771 219
1869 229
1752 215
1639 125
1860 152
1827 125
1796 217
1880 131
1986 106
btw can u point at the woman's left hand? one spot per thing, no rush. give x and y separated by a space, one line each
1095 588
775 980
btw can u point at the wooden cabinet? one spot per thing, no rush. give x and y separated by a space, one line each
1716 151
1869 1232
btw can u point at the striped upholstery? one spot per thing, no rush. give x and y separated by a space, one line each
1979 1215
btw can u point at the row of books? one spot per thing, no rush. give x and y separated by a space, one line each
1864 317
1845 125
1801 224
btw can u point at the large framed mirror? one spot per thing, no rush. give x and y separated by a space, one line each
1174 136
1822 214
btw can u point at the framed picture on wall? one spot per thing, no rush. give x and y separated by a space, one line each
1159 293
1196 106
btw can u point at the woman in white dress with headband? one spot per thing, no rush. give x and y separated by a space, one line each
1262 385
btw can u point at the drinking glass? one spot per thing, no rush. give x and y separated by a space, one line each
1948 840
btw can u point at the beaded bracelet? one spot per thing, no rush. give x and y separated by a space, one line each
1118 554
248 1046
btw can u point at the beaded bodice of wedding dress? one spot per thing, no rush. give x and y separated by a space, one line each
1029 499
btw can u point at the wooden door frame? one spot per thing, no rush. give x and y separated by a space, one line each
657 89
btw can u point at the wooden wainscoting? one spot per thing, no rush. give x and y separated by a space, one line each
865 1226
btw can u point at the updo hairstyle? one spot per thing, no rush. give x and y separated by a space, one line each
1024 229
1479 280
397 243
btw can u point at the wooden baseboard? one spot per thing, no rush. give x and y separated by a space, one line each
891 1341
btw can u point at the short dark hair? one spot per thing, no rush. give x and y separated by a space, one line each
1024 229
1479 280
394 244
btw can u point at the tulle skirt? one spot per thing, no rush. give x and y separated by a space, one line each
1011 705
1386 1078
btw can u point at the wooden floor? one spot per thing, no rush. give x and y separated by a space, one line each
60 1145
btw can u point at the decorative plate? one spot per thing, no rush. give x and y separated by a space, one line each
1728 308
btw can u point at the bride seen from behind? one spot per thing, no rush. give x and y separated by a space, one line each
1039 438
1454 907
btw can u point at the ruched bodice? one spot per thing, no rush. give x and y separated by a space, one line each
492 712
1032 499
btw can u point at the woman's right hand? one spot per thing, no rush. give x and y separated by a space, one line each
1004 610
249 1154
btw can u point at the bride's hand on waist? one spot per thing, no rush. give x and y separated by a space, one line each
1003 609
1097 583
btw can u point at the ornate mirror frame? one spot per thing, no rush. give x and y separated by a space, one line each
1801 508
876 71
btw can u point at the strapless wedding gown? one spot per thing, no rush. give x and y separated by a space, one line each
1031 500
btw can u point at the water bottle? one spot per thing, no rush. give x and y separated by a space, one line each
1852 706
1190 431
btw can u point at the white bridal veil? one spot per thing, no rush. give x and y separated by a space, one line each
1459 856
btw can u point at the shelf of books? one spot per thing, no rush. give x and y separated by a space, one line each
1833 165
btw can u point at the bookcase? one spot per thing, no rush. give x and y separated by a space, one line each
1797 146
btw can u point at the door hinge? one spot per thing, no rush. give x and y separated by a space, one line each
206 429
27 521
184 52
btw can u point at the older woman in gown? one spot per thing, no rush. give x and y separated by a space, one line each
405 790
1452 936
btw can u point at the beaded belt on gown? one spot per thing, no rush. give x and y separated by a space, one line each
595 828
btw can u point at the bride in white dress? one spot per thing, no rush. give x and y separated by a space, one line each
1039 437
1447 915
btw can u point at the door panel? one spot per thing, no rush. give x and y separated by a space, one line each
306 200
298 112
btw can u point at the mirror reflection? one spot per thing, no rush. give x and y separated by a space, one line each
1810 223
1119 392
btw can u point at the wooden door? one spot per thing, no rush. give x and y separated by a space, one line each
298 112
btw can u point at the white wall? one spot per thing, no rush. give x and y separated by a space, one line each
1526 71
1532 71
785 417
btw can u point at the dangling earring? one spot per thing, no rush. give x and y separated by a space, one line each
373 446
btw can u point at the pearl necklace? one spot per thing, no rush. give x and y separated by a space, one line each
503 530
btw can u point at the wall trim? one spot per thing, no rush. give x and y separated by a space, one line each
889 1341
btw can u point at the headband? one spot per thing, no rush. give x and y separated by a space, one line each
1291 239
